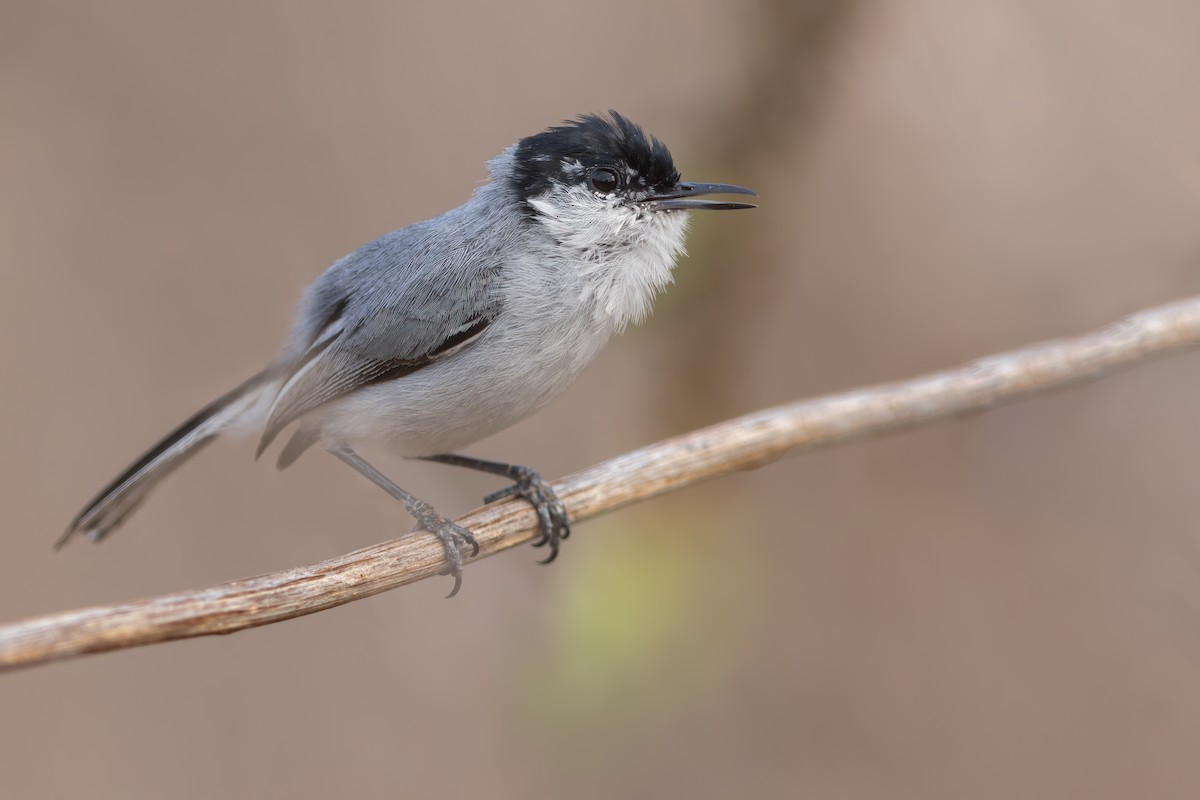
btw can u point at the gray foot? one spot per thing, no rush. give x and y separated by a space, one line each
553 521
452 536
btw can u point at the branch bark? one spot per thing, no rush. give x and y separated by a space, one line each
744 443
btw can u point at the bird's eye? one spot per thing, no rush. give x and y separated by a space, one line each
604 180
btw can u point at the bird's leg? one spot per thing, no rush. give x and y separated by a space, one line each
451 535
553 521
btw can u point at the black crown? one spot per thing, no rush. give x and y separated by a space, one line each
592 140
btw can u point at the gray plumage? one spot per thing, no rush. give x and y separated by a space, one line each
375 315
444 332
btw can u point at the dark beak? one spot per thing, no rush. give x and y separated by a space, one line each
684 194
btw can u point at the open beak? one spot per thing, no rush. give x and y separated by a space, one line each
684 196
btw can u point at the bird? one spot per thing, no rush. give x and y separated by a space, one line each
441 333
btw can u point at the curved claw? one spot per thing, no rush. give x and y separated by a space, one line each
471 540
554 524
452 536
559 512
456 572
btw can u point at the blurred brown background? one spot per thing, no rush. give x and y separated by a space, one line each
1004 606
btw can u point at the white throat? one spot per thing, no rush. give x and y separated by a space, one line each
622 254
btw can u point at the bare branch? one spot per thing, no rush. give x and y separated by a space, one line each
743 443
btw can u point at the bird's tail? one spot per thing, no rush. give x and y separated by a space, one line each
122 497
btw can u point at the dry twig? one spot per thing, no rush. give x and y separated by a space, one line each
743 443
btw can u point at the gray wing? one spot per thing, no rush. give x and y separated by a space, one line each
396 305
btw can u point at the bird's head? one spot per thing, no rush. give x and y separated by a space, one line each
602 182
606 197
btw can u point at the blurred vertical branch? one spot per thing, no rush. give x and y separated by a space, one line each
793 43
783 90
